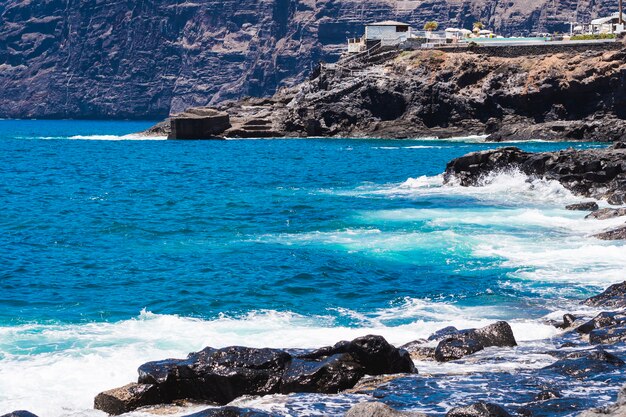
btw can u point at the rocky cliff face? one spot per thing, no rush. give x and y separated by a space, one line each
145 58
509 93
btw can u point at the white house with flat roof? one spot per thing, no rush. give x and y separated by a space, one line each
607 25
387 32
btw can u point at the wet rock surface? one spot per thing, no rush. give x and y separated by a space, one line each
618 233
586 206
231 412
456 345
377 409
613 297
607 213
19 413
479 409
587 364
597 173
564 377
222 375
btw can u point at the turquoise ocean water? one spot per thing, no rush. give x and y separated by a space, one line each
116 251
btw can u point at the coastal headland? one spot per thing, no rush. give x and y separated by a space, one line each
551 92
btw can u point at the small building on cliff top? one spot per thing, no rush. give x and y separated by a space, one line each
387 33
607 25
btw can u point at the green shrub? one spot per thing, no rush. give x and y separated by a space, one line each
593 37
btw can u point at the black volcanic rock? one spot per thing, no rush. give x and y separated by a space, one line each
221 375
586 206
465 342
604 319
127 398
607 213
231 412
586 364
618 233
377 409
614 296
479 409
19 413
597 173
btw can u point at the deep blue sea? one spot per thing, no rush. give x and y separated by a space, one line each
115 251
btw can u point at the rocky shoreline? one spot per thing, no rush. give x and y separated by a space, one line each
566 93
591 173
589 349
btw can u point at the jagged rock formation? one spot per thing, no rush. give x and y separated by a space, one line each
597 173
141 59
222 375
546 92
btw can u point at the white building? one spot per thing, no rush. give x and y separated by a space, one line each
388 32
607 25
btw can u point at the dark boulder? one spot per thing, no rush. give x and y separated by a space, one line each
466 342
221 375
328 375
612 297
378 409
602 320
607 213
497 334
20 413
127 398
586 206
479 409
231 412
374 353
568 321
613 234
218 375
456 347
608 335
443 333
585 364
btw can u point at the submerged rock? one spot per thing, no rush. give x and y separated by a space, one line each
231 412
19 413
586 206
479 409
613 297
613 234
607 213
584 364
602 320
221 375
378 409
127 398
614 410
465 342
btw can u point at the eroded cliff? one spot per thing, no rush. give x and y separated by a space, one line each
141 59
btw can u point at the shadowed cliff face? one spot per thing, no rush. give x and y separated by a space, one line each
145 58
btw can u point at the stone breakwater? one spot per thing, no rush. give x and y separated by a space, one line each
566 93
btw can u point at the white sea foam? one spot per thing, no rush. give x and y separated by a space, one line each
56 370
99 137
